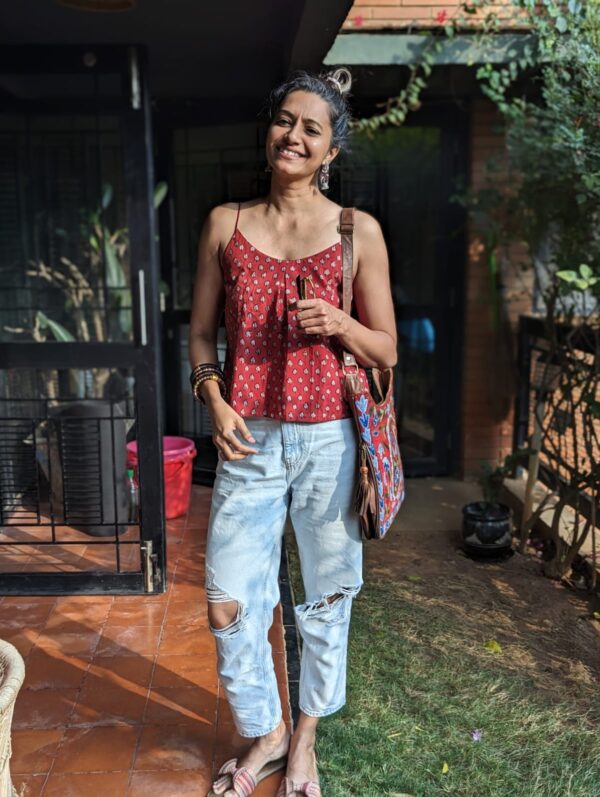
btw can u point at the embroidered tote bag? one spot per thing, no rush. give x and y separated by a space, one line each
380 488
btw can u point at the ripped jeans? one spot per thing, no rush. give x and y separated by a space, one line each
310 470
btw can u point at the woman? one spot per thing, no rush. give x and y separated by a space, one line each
284 432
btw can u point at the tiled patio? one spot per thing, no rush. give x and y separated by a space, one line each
121 696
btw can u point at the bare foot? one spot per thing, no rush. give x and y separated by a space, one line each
264 749
302 762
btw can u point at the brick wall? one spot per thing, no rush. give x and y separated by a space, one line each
489 358
380 14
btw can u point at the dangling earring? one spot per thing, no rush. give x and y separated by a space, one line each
268 168
324 176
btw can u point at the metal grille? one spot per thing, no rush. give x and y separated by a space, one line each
563 404
64 479
64 251
19 493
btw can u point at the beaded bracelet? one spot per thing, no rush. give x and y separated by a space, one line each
208 378
204 368
204 372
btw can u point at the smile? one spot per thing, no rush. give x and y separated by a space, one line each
289 153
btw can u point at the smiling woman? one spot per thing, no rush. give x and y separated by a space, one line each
282 424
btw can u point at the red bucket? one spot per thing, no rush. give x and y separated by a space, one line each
178 454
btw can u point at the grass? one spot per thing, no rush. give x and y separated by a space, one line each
417 688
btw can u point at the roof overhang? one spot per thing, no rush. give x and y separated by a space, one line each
231 49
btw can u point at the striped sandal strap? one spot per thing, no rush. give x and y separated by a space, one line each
310 788
242 779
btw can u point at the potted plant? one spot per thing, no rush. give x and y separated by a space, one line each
488 524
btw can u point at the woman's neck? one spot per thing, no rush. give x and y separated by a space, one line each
294 198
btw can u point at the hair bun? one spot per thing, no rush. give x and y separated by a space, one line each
340 78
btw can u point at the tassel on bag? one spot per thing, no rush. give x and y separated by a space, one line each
365 491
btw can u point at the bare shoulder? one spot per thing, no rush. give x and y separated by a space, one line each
221 217
366 228
219 224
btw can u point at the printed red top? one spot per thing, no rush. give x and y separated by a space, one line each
272 367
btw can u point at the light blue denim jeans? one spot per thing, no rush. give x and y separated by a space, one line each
310 470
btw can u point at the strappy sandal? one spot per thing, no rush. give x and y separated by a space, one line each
310 788
242 779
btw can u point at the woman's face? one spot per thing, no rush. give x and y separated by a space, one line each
299 137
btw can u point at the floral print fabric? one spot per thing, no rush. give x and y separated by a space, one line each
379 440
272 367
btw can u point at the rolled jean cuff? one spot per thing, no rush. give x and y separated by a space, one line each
253 734
324 712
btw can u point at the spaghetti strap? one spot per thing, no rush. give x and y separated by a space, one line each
237 218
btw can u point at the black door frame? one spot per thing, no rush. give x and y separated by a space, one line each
143 355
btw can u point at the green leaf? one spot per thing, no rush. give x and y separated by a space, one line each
107 195
60 333
562 25
493 646
125 317
585 271
115 276
567 276
160 192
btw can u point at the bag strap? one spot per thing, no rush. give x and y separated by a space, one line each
346 229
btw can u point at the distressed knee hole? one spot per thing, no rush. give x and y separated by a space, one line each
331 608
226 616
223 614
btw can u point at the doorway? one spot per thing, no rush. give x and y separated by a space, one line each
405 178
79 339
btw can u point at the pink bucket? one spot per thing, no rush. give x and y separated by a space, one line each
178 455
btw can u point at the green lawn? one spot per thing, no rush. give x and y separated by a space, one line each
418 687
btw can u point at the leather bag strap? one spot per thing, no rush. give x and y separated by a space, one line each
346 229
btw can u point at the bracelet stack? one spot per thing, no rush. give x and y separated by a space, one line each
203 372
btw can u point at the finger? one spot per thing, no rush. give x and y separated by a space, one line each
307 304
314 331
244 431
310 312
236 445
228 452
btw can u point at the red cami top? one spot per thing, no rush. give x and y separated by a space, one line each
272 367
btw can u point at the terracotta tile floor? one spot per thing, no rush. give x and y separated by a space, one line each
121 696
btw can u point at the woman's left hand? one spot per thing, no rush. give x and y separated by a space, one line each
318 317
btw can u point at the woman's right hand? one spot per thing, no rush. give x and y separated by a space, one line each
226 422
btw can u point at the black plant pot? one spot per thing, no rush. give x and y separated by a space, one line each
88 467
487 529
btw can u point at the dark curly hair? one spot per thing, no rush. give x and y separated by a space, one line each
332 86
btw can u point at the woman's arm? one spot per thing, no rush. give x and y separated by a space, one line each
372 339
207 303
209 294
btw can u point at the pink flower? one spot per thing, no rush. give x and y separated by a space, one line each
441 17
358 21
